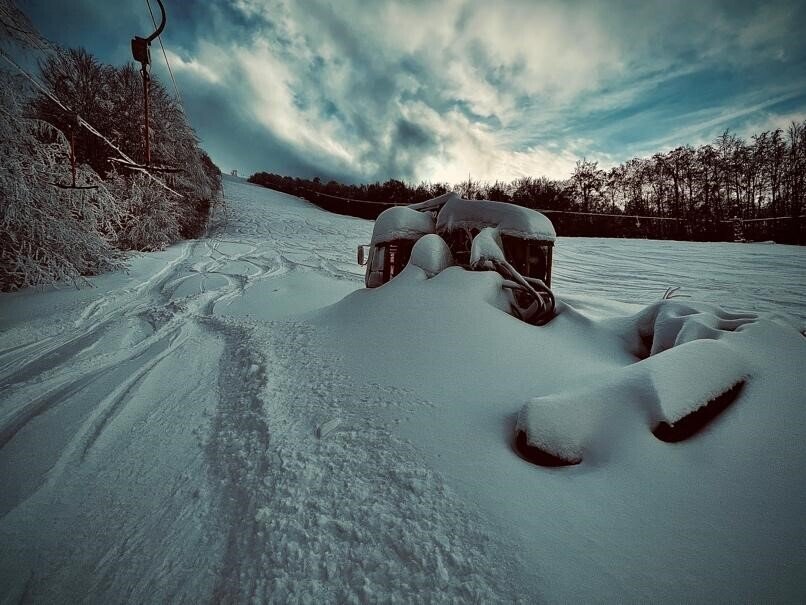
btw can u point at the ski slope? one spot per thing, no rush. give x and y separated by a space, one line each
237 419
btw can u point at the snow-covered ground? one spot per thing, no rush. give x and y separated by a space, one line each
237 418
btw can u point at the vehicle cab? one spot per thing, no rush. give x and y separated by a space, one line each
526 236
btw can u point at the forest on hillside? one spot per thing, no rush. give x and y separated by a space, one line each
69 204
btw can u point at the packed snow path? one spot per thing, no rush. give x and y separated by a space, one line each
158 445
197 430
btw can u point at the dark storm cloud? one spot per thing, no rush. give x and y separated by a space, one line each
364 91
413 135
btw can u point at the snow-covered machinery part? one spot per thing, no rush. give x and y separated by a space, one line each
482 235
516 242
532 300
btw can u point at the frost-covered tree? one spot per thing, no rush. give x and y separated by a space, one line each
81 82
151 214
113 100
49 233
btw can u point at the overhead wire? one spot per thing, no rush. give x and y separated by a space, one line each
165 55
82 122
29 37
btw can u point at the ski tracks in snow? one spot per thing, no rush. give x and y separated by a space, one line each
181 455
106 376
132 328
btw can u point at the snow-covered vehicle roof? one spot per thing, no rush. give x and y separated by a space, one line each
458 213
401 222
435 203
454 212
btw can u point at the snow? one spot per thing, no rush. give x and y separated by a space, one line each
237 418
665 388
401 222
486 246
434 204
513 220
738 277
431 254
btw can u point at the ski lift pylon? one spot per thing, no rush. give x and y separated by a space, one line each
72 126
141 51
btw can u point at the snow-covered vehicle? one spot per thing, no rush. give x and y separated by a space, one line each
478 235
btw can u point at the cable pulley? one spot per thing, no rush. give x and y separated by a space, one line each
141 47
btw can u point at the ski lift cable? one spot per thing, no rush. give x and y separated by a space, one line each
33 38
29 37
165 55
82 122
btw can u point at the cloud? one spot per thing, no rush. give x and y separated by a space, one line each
194 67
413 91
436 90
746 115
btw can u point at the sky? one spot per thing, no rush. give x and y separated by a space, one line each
439 91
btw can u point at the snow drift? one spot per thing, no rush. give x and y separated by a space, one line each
238 419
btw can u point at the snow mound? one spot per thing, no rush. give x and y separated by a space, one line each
670 323
431 254
517 221
401 222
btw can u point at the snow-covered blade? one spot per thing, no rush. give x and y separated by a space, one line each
679 391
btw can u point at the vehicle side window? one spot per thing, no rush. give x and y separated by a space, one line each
374 276
516 252
529 257
535 260
378 258
387 260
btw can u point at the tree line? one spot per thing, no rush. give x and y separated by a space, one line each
731 177
702 187
51 232
531 192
